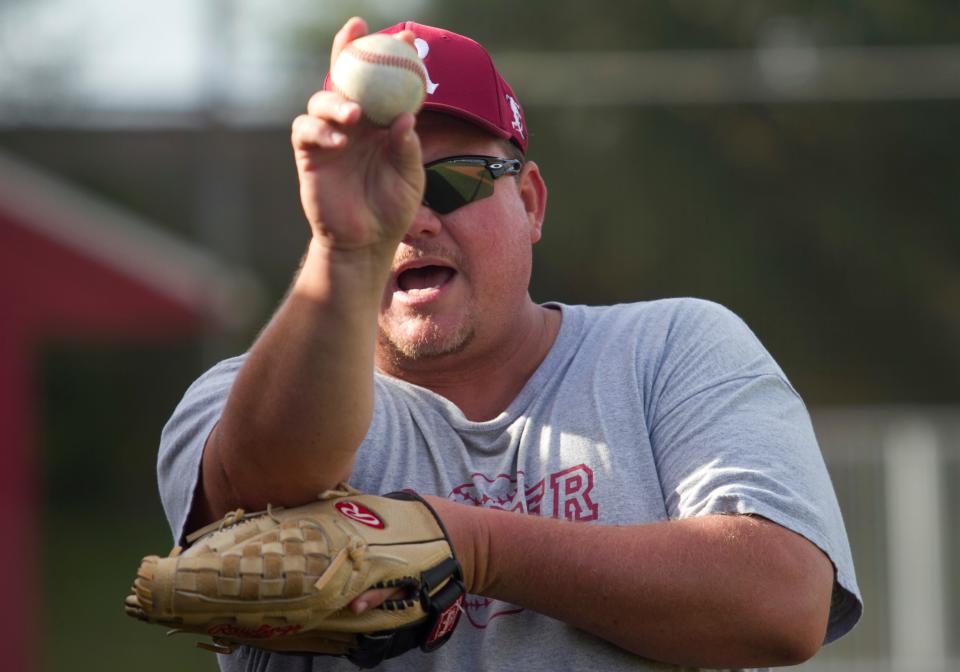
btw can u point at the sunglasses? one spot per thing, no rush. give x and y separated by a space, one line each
455 181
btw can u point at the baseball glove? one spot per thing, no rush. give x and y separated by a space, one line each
282 579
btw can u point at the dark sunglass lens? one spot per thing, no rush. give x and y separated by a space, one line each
453 185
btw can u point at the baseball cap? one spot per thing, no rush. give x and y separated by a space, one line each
462 81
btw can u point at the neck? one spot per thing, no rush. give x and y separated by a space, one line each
483 381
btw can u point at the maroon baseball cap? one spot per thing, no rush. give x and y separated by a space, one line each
462 81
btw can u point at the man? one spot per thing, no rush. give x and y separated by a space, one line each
678 507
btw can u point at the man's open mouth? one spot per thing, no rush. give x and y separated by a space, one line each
424 278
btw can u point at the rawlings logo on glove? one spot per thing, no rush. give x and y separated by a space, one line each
282 579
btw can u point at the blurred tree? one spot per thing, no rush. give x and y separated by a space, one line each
829 228
677 24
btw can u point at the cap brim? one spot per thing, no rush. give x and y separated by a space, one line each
474 119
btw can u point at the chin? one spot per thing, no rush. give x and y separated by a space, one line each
425 340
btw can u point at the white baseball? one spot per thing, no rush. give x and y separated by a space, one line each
383 74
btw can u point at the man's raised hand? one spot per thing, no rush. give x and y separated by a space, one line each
360 185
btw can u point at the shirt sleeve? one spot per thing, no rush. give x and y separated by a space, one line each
731 436
183 439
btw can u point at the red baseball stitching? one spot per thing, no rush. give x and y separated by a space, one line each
389 60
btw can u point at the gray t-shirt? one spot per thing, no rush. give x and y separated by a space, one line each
640 413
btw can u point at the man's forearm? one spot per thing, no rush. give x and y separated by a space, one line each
716 591
302 401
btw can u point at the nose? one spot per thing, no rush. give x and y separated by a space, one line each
425 224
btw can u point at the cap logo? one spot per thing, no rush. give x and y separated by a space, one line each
422 50
517 123
359 513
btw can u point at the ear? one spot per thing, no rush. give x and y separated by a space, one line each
533 193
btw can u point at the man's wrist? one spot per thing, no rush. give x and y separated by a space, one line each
466 527
327 270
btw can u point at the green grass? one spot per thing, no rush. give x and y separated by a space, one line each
88 562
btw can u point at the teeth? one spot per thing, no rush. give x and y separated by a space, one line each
424 279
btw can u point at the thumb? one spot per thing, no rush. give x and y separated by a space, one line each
403 147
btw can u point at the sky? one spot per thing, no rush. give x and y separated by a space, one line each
72 61
129 54
106 50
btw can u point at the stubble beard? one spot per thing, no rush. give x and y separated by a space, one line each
421 337
430 341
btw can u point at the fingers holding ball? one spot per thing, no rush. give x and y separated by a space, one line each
383 74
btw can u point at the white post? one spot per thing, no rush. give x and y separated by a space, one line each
915 528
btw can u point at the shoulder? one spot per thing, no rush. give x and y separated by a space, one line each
681 313
665 320
681 339
658 309
217 377
703 322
